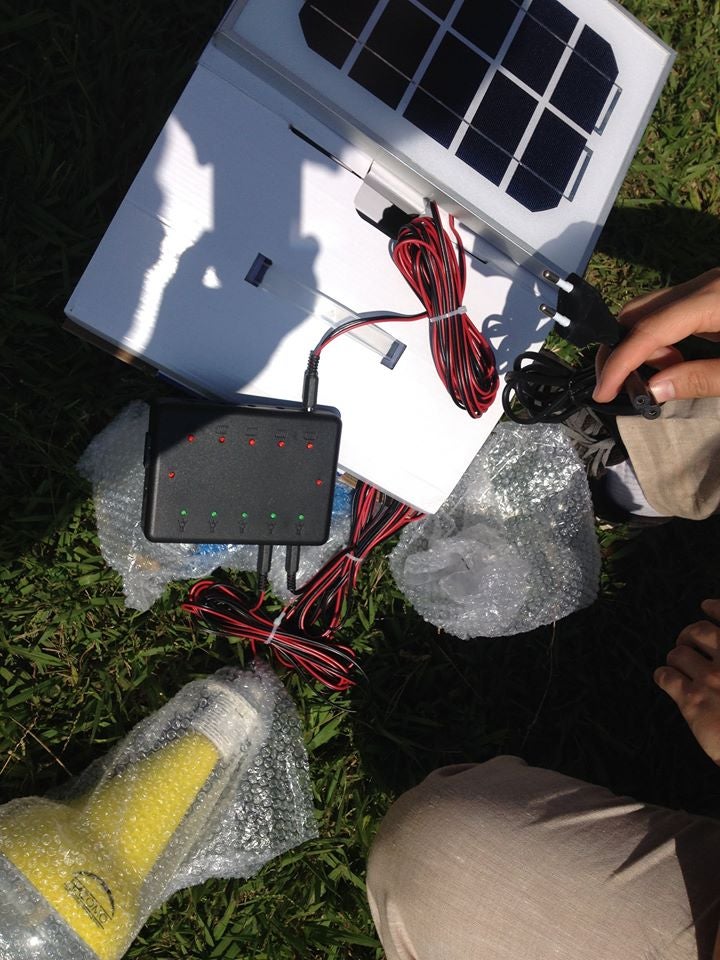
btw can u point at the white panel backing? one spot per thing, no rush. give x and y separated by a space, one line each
229 179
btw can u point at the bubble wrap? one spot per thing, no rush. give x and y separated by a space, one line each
113 463
213 785
513 547
269 810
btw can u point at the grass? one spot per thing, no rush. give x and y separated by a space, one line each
88 86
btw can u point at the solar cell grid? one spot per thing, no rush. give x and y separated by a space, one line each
553 150
557 18
402 35
432 117
377 76
488 30
439 7
455 80
325 37
581 92
598 52
454 74
532 192
533 54
351 17
504 113
483 156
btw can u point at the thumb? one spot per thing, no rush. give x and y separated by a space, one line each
683 381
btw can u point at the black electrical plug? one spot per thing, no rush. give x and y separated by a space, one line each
292 563
263 566
583 318
582 315
310 383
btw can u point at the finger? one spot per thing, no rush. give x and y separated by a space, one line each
675 685
702 636
659 320
644 341
601 357
665 357
660 360
686 660
633 310
683 381
656 300
711 608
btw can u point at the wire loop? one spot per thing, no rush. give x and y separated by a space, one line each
302 636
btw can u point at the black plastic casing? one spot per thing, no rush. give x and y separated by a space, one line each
591 320
216 473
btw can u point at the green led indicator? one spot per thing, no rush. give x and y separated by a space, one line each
213 514
273 516
301 516
183 513
244 514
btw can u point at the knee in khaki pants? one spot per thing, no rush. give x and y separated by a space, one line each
501 861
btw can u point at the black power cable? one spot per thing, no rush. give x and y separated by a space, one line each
543 388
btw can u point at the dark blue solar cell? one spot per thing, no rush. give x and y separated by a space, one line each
402 35
351 17
504 112
440 8
379 78
598 52
323 37
454 60
483 156
532 192
430 116
581 92
533 55
488 27
553 151
554 16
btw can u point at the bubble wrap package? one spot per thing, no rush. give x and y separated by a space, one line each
113 463
214 784
514 546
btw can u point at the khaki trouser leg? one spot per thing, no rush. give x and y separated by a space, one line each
501 861
677 457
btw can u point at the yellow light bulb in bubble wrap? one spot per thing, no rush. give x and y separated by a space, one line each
102 860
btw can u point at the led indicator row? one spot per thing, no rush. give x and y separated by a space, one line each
171 476
243 516
191 438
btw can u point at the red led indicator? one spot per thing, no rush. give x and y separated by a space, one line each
252 441
191 438
318 483
221 439
309 445
171 475
281 443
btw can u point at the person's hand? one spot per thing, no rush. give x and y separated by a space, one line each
656 322
692 678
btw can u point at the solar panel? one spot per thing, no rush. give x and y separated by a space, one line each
524 114
512 90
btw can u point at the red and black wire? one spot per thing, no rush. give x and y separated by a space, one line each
434 266
302 636
435 269
224 610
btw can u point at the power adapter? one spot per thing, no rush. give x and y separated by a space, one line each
218 473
